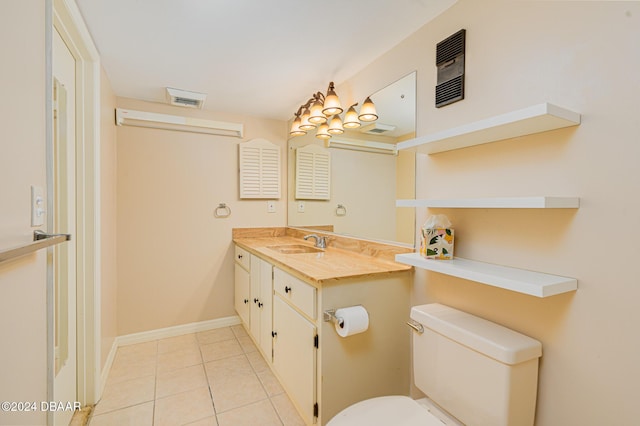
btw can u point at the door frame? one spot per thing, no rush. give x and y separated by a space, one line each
64 16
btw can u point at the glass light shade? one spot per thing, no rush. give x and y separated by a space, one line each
317 117
351 118
331 102
304 121
335 126
368 111
323 132
295 128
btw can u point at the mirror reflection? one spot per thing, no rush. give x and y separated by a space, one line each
365 173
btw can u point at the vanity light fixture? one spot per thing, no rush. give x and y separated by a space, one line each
351 118
323 112
368 111
323 132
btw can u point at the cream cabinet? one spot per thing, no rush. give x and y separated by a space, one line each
261 300
295 341
242 284
322 372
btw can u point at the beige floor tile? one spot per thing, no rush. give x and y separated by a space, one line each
257 362
219 350
239 330
216 335
247 344
137 415
177 343
226 368
207 421
287 412
142 350
236 391
127 369
177 381
183 408
260 413
270 383
125 394
178 359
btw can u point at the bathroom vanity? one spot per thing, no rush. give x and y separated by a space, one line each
283 286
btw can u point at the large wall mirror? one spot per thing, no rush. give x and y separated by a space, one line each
366 178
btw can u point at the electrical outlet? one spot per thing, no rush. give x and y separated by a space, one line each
300 206
37 206
271 206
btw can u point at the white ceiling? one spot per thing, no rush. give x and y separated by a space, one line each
255 57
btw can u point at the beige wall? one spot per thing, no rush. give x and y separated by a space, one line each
108 213
175 260
23 334
583 56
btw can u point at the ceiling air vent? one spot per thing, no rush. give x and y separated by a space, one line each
185 98
377 128
450 63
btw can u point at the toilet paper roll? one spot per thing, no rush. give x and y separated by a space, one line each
351 320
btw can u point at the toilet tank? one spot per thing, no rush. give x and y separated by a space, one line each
480 372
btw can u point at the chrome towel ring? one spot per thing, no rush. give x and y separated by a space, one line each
222 210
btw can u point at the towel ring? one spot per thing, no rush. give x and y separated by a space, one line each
341 210
222 210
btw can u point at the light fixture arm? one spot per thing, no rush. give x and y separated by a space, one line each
318 96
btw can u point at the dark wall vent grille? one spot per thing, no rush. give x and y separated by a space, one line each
450 47
450 62
450 91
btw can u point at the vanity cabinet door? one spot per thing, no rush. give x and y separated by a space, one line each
294 356
261 304
242 293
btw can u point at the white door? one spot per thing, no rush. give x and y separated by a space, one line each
62 219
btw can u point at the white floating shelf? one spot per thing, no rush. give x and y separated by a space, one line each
535 119
495 203
514 279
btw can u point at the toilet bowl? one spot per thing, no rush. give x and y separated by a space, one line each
475 371
390 410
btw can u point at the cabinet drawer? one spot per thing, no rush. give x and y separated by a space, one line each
297 292
243 258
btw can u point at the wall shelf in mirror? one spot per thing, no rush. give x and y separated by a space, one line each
519 280
542 202
534 119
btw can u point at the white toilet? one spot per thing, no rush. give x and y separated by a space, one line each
478 372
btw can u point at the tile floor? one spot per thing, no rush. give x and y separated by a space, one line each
215 377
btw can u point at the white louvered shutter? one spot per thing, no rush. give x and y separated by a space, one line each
259 169
313 173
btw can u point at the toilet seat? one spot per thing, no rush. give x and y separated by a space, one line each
384 411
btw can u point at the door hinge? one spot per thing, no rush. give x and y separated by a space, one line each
316 343
315 410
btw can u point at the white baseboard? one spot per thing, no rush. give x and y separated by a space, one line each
178 330
107 368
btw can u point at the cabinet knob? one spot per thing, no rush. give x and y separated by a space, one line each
274 334
246 301
255 300
287 289
260 304
239 256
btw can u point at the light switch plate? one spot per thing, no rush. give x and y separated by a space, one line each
271 206
37 206
300 206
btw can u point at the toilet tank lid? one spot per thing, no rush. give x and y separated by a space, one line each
486 337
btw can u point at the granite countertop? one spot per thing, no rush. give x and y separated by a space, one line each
330 264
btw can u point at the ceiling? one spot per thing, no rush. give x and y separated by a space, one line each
255 57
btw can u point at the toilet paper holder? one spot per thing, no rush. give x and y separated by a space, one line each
330 316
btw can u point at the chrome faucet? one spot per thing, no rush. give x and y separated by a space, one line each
321 242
